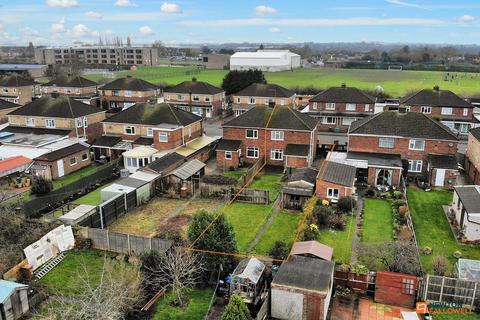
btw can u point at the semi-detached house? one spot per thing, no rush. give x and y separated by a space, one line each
125 92
387 144
78 87
18 90
286 137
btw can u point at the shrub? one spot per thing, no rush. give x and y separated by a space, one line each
370 193
310 233
279 250
41 186
236 309
405 233
440 265
398 203
457 254
403 210
322 214
398 194
427 250
325 203
337 221
346 204
359 269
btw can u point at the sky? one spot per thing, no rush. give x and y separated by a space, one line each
64 22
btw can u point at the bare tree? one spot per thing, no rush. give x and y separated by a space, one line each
117 291
177 270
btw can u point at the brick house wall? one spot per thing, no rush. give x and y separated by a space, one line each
472 159
175 136
457 113
106 96
290 137
216 100
60 123
70 91
52 165
263 100
296 162
342 107
360 110
24 94
450 175
322 186
226 164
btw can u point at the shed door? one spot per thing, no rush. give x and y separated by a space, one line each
440 178
61 172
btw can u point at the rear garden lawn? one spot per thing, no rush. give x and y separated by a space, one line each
377 221
74 176
283 228
197 308
340 241
246 219
432 227
268 181
236 174
93 198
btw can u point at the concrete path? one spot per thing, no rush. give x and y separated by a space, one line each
356 238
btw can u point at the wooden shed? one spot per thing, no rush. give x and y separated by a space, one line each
298 187
13 300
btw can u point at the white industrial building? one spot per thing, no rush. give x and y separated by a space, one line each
265 60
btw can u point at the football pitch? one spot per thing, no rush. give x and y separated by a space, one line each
395 83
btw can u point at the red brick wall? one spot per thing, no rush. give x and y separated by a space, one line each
342 107
296 162
457 113
225 164
389 289
175 137
322 189
449 175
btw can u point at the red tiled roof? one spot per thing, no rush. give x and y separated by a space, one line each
13 162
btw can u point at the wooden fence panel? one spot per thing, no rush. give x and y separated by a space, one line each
253 196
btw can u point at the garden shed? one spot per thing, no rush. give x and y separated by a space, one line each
78 214
248 280
298 187
312 249
187 175
128 185
13 300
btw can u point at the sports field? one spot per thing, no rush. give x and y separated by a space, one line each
396 83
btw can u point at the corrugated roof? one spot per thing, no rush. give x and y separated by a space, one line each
195 145
188 169
8 287
144 176
141 151
314 248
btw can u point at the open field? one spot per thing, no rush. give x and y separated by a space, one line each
377 221
340 241
432 227
199 300
282 228
396 83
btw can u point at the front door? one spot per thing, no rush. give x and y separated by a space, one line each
440 178
61 171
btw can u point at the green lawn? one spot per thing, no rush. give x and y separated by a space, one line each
283 228
396 83
93 198
340 241
197 308
268 181
377 221
246 219
74 176
236 174
432 228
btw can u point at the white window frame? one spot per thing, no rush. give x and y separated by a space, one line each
77 91
180 97
149 132
282 102
129 128
331 193
239 100
367 108
277 135
128 93
448 111
256 152
330 106
412 144
207 99
252 101
50 123
31 122
351 107
163 137
324 120
276 152
85 154
196 98
254 133
465 112
426 109
351 120
70 161
383 140
228 155
79 122
418 166
85 122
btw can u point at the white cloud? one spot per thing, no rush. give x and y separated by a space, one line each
274 29
406 4
145 30
262 10
62 3
170 8
94 15
465 18
58 27
80 30
124 3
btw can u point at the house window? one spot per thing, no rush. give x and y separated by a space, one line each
31 122
282 102
85 157
163 137
276 154
228 155
79 122
251 134
195 98
415 165
252 152
115 93
314 105
128 93
252 101
332 193
329 120
367 108
465 112
77 91
149 132
426 109
50 123
129 130
73 161
348 121
238 99
132 162
85 122
207 99
408 286
329 106
180 97
447 110
351 107
277 135
416 144
386 142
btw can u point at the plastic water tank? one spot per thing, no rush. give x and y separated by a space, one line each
124 173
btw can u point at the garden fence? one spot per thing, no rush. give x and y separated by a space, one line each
125 243
253 170
36 206
450 290
255 196
226 192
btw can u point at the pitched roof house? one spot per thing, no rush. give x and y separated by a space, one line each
200 98
277 129
5 108
388 139
335 180
454 112
125 92
17 89
259 94
78 87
